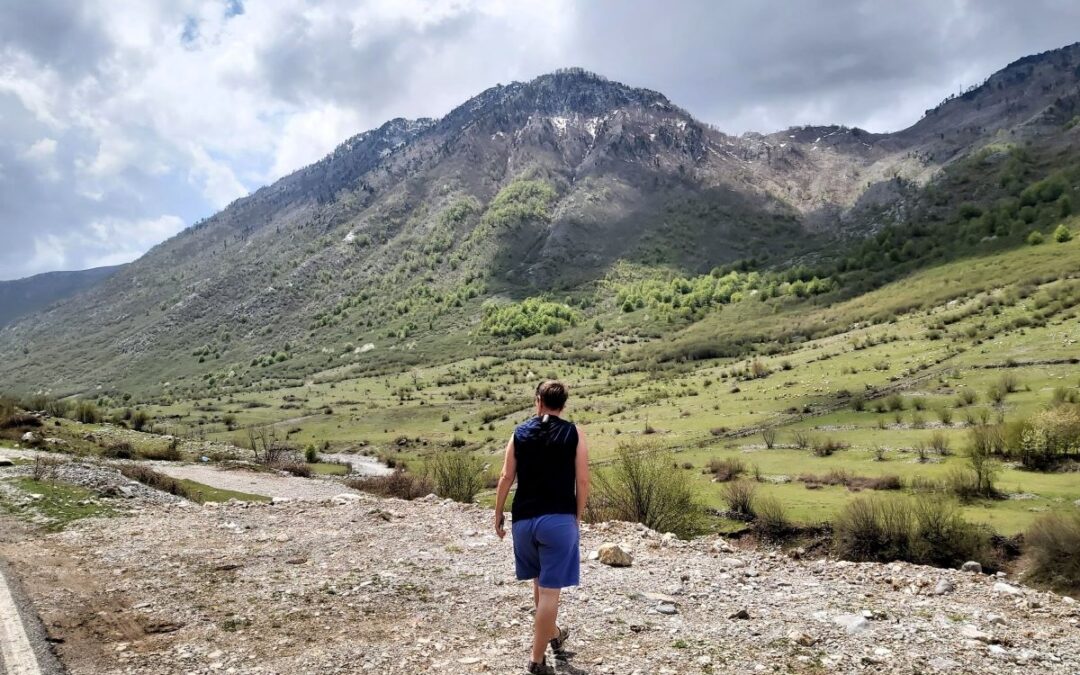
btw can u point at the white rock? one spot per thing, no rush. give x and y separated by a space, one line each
852 623
732 562
973 633
1002 587
971 566
802 638
944 586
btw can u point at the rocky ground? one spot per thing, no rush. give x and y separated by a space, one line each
359 584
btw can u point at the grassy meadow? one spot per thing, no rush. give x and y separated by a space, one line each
913 364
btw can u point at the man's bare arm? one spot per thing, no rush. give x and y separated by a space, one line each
506 479
581 470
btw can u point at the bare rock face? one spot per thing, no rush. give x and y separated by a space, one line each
615 555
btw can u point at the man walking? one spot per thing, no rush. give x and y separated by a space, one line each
548 457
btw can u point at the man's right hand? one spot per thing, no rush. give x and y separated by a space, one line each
499 519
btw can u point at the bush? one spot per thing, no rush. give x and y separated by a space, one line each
1062 233
726 469
1053 542
456 475
156 480
119 450
768 434
87 412
1050 436
169 453
1035 238
20 420
771 522
801 439
139 420
939 443
644 485
400 484
298 469
929 531
826 447
739 496
311 455
966 397
873 530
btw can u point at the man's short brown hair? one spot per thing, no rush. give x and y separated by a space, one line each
553 394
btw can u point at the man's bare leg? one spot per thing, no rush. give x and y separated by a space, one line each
547 609
536 593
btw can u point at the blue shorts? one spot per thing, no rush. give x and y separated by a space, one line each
546 547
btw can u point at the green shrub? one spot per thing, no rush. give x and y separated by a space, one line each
1062 234
645 485
1035 238
87 412
1053 543
457 475
311 454
1049 436
532 316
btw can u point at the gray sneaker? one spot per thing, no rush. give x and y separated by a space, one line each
541 668
558 644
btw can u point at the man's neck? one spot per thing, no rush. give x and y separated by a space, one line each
545 411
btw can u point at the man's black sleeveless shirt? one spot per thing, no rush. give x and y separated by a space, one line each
546 477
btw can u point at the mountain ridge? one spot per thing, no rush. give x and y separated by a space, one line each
526 188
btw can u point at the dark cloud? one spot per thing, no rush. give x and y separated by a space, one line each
121 126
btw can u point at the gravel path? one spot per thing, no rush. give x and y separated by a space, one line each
266 484
362 585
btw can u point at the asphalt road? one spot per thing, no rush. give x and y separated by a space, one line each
23 647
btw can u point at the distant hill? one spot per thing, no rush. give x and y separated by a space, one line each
548 188
21 297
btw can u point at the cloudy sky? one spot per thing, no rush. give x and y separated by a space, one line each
123 121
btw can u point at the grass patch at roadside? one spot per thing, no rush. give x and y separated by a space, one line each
202 493
59 503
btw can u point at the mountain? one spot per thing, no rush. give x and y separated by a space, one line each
20 297
551 187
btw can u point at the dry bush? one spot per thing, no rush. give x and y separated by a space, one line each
739 496
119 450
169 453
927 531
457 475
44 468
645 485
826 447
939 443
400 484
156 480
771 522
768 435
298 469
19 420
725 469
1053 543
801 439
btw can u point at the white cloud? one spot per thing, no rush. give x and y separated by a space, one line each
181 106
109 241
